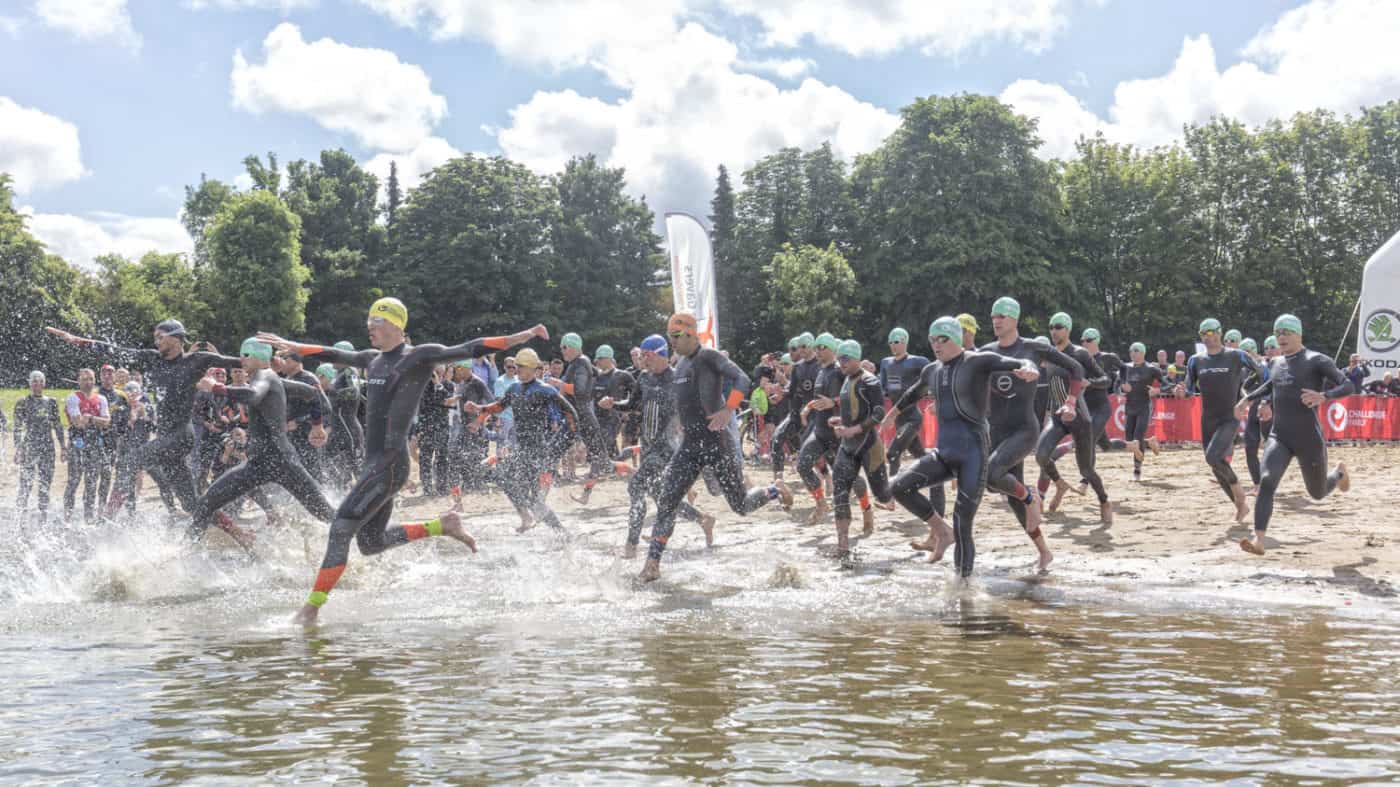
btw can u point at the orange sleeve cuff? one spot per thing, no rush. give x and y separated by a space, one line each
567 388
736 398
309 349
497 342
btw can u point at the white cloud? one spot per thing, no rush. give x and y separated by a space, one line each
90 20
1331 54
861 27
687 110
412 165
369 93
784 68
11 25
243 181
37 149
79 240
285 6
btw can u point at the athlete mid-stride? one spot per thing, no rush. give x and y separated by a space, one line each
171 374
396 374
1217 375
1299 381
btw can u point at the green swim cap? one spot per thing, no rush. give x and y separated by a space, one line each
571 340
603 351
462 364
1007 306
256 349
1090 335
1060 319
899 335
827 342
806 339
849 348
1233 335
326 370
787 358
1287 322
344 345
1270 342
947 327
1248 345
1138 347
1209 324
795 342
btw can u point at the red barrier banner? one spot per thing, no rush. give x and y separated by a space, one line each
1179 420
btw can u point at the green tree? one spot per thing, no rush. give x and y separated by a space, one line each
255 275
813 289
125 299
606 262
955 210
342 243
265 177
202 202
393 195
472 252
724 243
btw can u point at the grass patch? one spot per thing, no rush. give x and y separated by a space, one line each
8 397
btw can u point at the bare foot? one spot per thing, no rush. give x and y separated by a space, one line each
452 528
784 494
306 616
1154 445
818 512
945 540
629 551
1106 512
690 496
1241 509
1137 453
1061 487
1082 489
1045 556
527 521
651 571
885 506
1034 517
1344 481
707 524
1255 546
868 522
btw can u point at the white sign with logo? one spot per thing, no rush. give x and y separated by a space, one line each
1379 333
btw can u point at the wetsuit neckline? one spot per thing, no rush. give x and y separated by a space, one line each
1011 343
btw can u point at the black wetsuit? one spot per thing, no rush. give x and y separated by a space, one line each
272 458
346 443
700 381
395 381
861 402
618 384
111 444
1081 428
961 390
1218 379
433 432
1296 430
802 385
1137 404
1015 426
171 381
659 433
472 443
35 418
1255 430
821 440
518 475
895 375
86 454
1096 397
579 378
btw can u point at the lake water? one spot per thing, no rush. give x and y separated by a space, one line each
131 660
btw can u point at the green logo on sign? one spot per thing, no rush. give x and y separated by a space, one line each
1382 333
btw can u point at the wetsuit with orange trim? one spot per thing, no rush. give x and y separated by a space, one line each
524 473
394 384
578 378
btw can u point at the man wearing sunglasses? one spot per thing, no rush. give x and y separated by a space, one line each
1218 375
701 376
171 374
396 375
1299 381
960 383
1015 428
1071 417
272 458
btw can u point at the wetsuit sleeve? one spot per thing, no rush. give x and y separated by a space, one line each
474 348
1051 355
57 425
732 374
126 355
357 358
996 362
320 404
1191 376
915 392
1094 375
1262 392
1328 371
203 361
884 373
251 393
874 395
565 405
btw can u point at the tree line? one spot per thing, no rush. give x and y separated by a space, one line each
953 210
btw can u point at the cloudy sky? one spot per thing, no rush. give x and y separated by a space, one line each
108 108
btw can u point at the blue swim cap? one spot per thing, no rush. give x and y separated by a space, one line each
657 344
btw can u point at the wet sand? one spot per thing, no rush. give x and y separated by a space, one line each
1174 533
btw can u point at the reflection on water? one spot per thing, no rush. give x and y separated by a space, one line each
542 662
